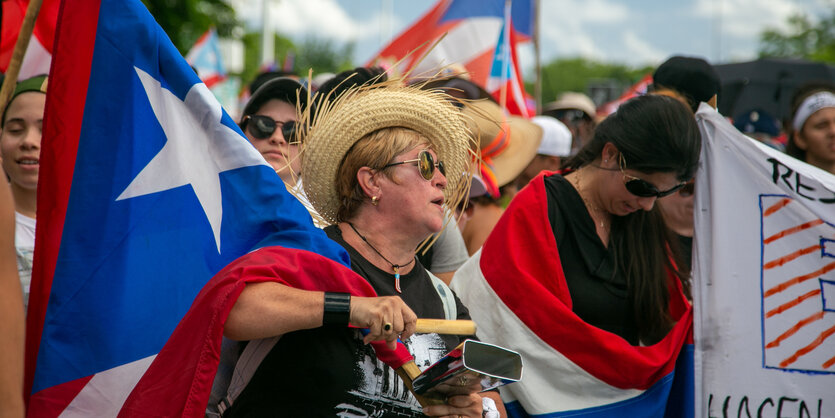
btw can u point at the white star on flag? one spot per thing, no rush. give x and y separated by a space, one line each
198 149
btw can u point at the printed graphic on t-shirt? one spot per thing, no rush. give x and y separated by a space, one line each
381 391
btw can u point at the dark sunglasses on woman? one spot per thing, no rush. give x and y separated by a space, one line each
643 188
263 127
426 165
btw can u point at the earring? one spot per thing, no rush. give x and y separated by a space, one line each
374 200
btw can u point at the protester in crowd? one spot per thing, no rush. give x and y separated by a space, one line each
443 253
583 260
812 129
760 125
507 146
691 81
269 121
556 145
692 78
380 156
11 313
577 111
20 147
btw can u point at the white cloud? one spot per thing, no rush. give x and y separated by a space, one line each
747 18
567 27
320 18
639 50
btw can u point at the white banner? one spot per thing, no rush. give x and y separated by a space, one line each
764 280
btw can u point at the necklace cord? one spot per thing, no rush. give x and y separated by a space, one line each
395 267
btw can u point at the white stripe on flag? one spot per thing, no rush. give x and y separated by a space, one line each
106 392
36 60
465 42
550 381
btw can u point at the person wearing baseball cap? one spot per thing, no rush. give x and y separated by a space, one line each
269 123
692 78
555 145
20 148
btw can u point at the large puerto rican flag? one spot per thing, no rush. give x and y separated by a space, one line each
476 32
38 54
147 189
515 290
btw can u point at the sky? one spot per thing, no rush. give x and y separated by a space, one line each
632 32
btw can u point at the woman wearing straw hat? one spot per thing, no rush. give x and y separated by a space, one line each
375 161
580 267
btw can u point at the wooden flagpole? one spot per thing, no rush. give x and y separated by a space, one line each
538 81
19 50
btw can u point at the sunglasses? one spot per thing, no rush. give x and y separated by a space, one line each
643 188
426 165
263 127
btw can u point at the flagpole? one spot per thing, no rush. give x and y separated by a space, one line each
505 54
19 51
537 89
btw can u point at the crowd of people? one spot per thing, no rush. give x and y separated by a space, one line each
416 177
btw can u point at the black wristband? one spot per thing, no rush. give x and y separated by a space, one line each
337 309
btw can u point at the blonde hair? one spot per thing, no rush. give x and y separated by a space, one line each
374 150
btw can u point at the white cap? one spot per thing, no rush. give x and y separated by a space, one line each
556 138
477 187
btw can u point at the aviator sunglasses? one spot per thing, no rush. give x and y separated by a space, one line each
263 127
643 188
426 165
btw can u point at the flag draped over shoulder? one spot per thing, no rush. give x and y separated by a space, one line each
516 292
481 35
764 279
38 54
147 189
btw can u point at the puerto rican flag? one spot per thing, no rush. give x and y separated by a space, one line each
205 57
638 89
474 32
147 190
38 54
505 81
515 290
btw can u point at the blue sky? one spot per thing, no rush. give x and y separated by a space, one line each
634 32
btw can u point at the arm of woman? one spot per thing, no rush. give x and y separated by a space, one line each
11 313
269 309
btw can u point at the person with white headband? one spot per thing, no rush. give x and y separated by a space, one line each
813 126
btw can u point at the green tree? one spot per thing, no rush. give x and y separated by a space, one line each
252 53
575 74
324 56
804 39
185 20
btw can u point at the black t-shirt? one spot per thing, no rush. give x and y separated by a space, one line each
328 371
598 291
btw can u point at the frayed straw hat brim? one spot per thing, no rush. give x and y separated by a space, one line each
361 111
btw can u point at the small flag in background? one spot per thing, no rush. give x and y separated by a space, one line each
205 57
471 29
39 52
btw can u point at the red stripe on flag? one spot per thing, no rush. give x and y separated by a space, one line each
76 34
52 401
179 381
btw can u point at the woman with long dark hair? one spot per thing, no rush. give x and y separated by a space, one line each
602 288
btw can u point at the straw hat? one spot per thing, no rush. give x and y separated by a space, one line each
507 143
363 110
